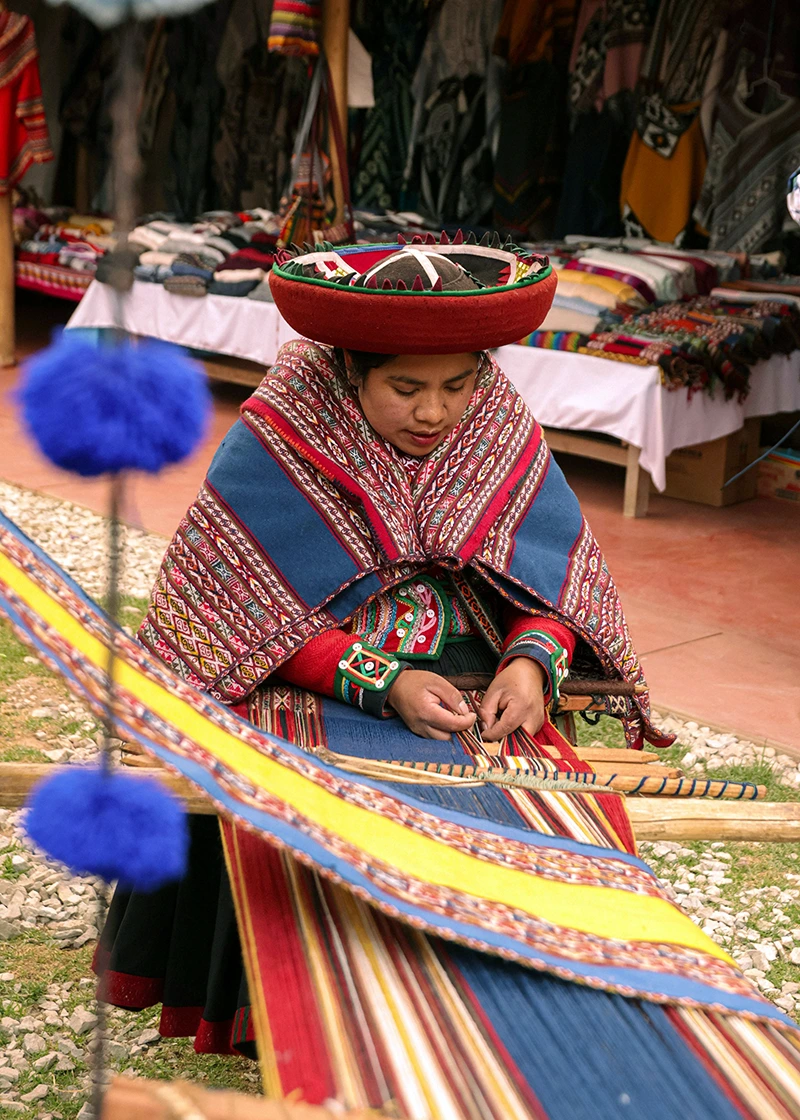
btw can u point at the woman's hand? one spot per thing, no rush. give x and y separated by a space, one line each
514 699
429 705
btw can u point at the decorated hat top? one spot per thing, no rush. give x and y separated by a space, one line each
426 296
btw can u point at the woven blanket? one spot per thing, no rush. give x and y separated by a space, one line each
579 911
307 514
389 967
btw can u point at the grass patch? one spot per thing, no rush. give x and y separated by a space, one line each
13 665
9 871
607 731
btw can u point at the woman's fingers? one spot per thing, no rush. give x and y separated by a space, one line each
442 719
492 704
510 720
449 695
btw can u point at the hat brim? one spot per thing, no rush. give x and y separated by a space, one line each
412 322
332 295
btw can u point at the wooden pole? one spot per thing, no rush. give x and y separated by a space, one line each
17 779
656 819
674 819
335 32
7 337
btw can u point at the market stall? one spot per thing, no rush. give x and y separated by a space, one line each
572 393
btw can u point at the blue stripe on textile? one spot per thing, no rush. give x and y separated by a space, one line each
657 984
589 1054
286 525
545 540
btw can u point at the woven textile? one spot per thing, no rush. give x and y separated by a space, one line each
578 910
701 343
53 279
245 583
23 129
375 967
295 27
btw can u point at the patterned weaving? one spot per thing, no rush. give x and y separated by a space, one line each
382 843
376 967
295 27
245 582
53 280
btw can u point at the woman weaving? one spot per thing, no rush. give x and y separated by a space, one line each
384 520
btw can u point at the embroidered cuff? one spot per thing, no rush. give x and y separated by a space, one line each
541 647
364 676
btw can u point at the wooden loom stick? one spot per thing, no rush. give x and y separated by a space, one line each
615 754
652 818
444 773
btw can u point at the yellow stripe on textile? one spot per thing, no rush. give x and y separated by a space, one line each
602 911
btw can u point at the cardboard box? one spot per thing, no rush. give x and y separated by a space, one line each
779 476
698 473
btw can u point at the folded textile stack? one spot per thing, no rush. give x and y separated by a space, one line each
62 254
222 253
701 342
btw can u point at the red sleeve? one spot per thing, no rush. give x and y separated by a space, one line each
314 666
518 621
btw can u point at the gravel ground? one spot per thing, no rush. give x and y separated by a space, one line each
45 1026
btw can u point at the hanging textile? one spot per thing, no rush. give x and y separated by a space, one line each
666 162
742 204
394 35
534 43
264 93
456 107
24 138
191 51
610 41
295 27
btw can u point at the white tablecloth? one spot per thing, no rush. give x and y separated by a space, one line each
571 391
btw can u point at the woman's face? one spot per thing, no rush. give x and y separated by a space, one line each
414 401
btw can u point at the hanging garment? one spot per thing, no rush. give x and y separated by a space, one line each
533 41
456 103
610 41
23 129
394 35
263 97
666 162
743 201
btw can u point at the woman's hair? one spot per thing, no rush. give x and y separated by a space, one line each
362 361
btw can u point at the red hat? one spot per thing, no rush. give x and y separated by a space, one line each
425 297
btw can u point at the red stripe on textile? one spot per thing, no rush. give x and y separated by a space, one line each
708 1065
311 11
501 497
611 805
328 468
300 1047
537 1109
425 999
372 1050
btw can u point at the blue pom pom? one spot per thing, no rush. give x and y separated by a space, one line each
97 409
124 828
